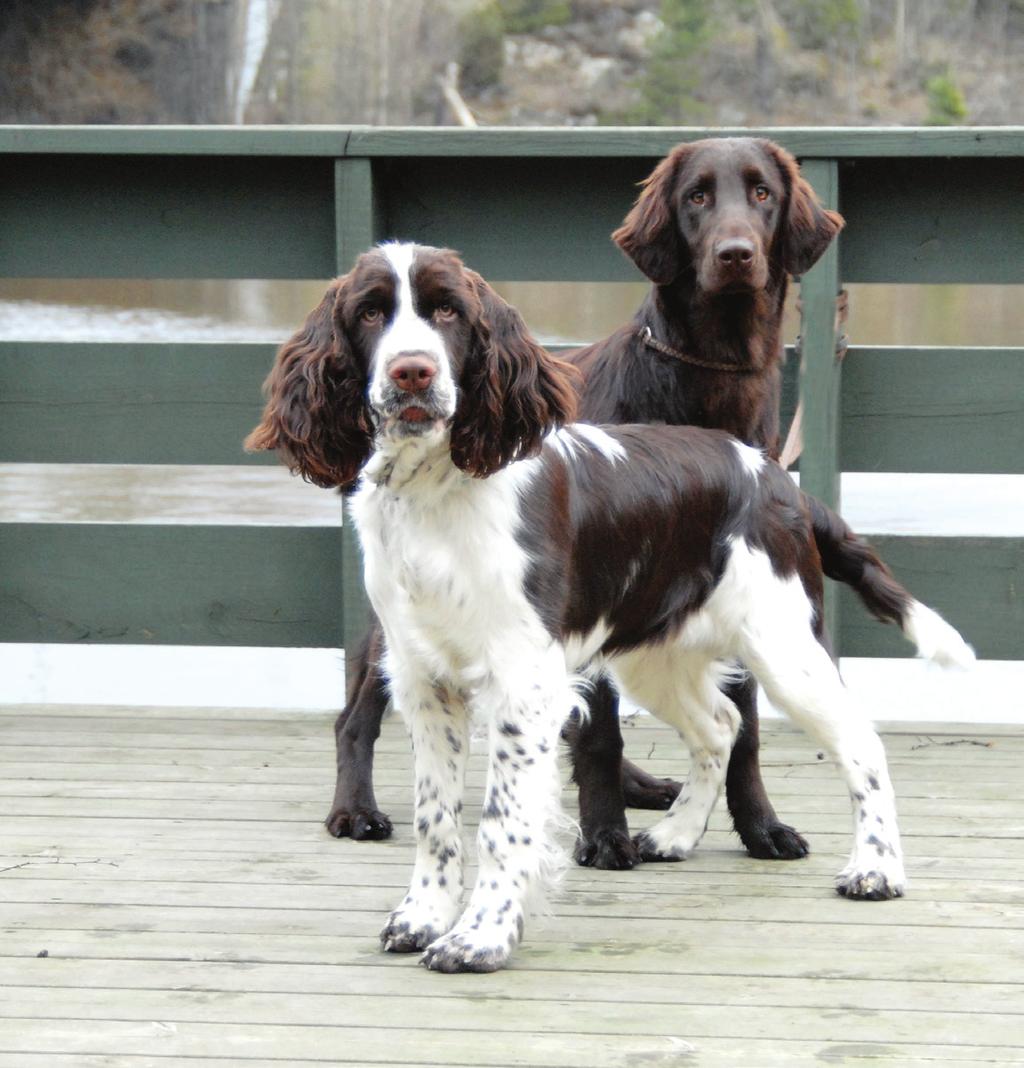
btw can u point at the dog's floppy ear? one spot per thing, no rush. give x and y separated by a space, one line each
807 229
511 391
649 235
316 415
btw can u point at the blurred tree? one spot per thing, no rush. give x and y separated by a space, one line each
373 61
815 23
482 46
946 105
771 39
529 16
102 61
357 61
671 75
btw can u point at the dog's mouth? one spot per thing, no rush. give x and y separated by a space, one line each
410 417
736 286
413 414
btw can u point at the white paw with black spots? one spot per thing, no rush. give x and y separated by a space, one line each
873 885
877 876
415 924
483 946
649 849
673 838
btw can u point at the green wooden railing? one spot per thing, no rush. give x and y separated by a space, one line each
923 206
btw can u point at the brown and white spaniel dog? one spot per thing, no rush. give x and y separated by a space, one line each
509 553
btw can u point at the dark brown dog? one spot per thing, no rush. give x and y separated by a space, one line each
719 227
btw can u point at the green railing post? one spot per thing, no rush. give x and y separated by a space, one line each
819 372
355 230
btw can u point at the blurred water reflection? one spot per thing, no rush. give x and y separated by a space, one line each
267 311
255 310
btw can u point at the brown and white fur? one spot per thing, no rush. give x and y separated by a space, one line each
508 553
718 228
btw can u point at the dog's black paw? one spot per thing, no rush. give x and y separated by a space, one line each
649 850
775 841
608 849
640 790
363 825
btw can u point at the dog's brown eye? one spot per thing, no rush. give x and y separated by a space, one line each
445 312
370 315
698 196
762 192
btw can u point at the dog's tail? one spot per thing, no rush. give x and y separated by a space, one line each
849 559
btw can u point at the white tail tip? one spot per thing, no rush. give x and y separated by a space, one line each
935 639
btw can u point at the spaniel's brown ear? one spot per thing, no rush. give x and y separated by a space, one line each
807 229
512 392
316 415
649 235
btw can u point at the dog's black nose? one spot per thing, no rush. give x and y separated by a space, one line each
735 252
413 372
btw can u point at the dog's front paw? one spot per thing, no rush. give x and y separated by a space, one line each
414 925
871 885
399 936
482 941
467 950
874 871
610 849
648 849
360 824
774 841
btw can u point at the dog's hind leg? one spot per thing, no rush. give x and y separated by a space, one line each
607 782
779 647
439 725
763 834
682 688
595 742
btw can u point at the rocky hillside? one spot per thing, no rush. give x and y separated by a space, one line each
759 62
554 62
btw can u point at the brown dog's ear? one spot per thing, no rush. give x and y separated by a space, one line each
316 415
807 229
649 235
512 392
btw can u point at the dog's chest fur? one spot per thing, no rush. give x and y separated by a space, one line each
443 567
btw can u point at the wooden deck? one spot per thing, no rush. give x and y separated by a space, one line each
168 897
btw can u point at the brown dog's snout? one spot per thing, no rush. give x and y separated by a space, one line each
413 372
735 252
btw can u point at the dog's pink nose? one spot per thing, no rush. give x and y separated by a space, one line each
412 372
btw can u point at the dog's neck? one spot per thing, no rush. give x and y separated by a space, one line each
741 331
736 329
407 464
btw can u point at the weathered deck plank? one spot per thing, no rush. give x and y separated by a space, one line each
171 866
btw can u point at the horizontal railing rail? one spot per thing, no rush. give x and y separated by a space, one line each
911 409
552 142
533 205
281 586
74 215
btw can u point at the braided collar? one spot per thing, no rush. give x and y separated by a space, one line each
648 338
